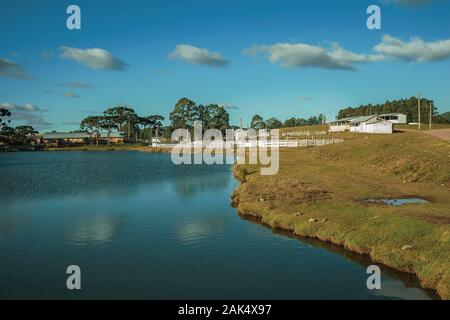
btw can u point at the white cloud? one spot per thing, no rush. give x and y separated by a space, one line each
196 55
94 58
28 114
10 69
80 85
71 95
302 55
415 50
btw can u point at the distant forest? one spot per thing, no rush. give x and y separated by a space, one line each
405 106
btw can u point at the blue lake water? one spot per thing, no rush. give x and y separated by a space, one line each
140 227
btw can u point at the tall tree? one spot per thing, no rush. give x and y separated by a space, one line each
153 122
3 114
216 117
22 134
123 115
273 123
108 122
257 122
184 114
92 124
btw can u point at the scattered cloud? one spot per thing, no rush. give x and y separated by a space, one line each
228 106
306 98
407 3
80 85
414 50
28 114
65 94
71 95
302 55
196 55
11 69
94 58
47 54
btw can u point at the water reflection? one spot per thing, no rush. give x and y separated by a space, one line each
391 288
96 230
192 232
188 187
169 231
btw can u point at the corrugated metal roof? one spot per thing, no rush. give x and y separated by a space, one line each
79 135
392 114
362 119
112 135
65 135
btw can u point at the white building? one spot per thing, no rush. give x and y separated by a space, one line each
398 118
365 124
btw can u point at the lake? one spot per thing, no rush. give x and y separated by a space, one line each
140 227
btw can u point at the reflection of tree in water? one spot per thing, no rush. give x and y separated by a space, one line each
212 181
97 229
51 174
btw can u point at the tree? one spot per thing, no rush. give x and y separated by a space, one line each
257 122
184 114
108 122
216 117
153 122
273 123
23 133
291 122
92 124
405 106
123 115
4 113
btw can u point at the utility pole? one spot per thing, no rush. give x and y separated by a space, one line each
418 112
431 114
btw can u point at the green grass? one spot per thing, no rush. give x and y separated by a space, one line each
423 127
329 183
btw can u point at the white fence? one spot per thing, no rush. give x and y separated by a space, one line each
252 144
303 133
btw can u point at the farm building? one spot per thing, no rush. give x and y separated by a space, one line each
340 125
398 118
364 124
81 137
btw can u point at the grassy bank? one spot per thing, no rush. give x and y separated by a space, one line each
319 193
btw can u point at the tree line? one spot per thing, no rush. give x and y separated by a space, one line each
124 119
19 135
273 123
405 106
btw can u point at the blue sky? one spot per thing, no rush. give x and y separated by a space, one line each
274 58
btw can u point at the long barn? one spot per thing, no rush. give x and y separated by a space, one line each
364 124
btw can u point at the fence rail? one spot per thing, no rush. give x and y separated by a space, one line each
303 133
252 144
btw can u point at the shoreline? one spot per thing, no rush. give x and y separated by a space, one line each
361 258
319 194
290 231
